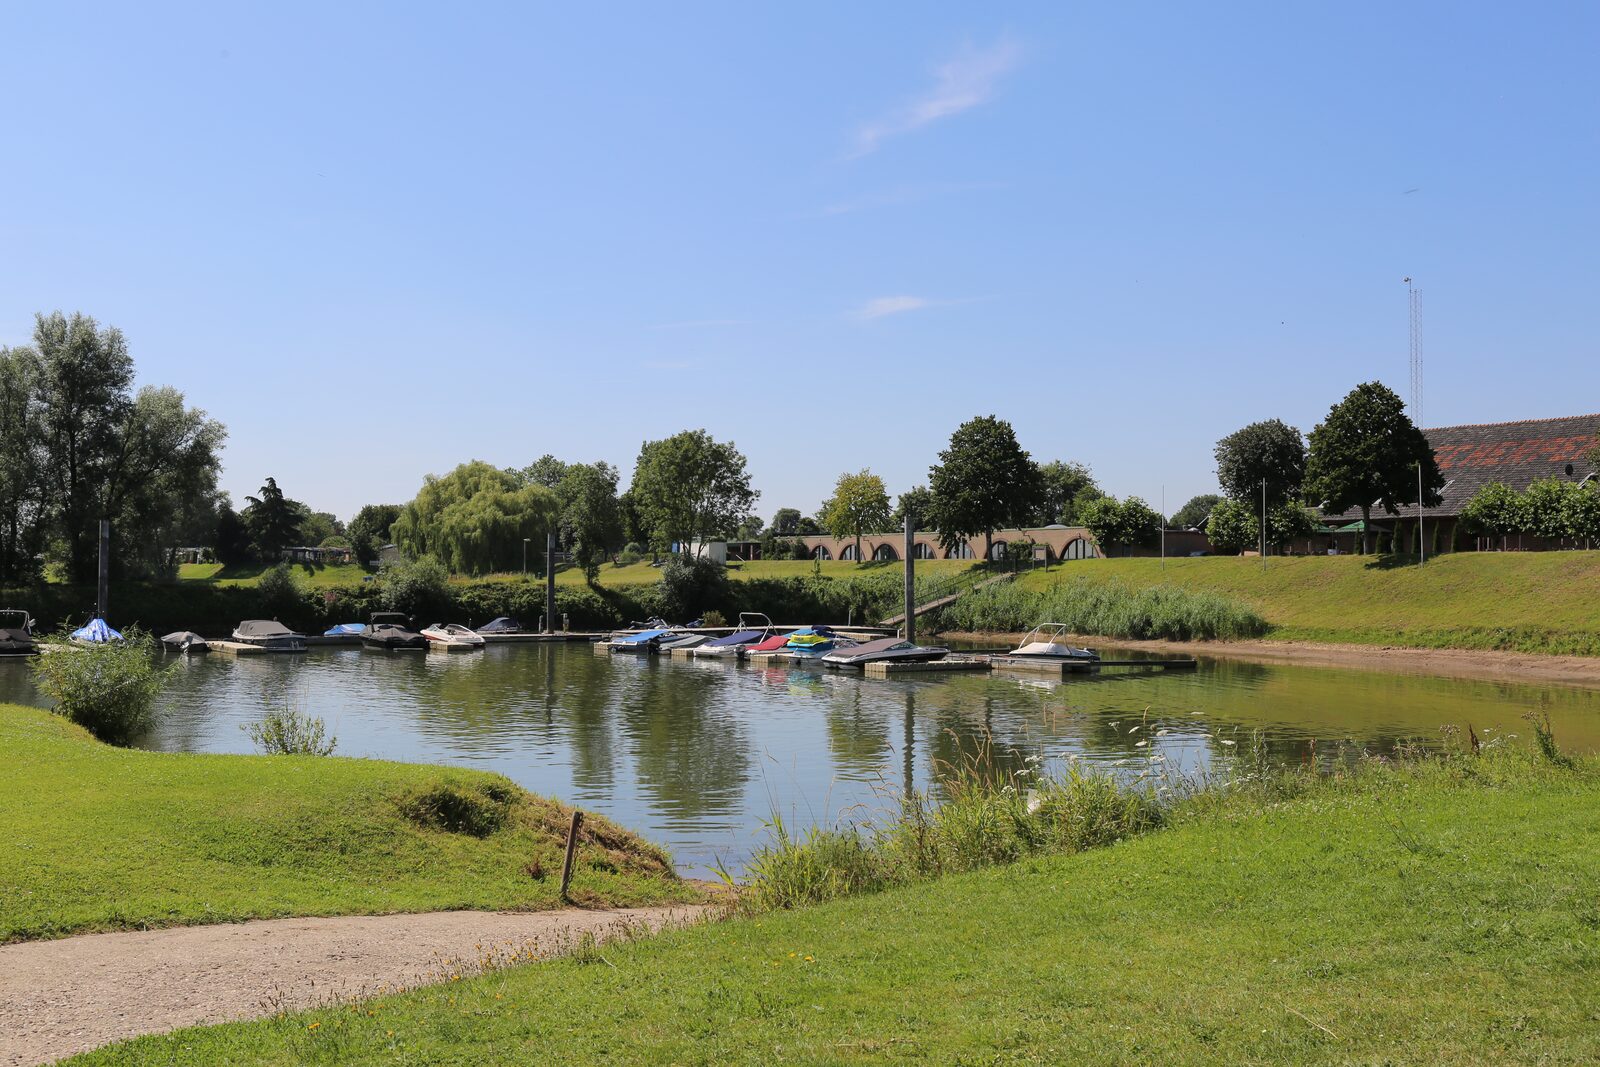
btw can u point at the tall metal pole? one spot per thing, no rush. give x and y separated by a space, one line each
550 582
911 578
103 590
1163 526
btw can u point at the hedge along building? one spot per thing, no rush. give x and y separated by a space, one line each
1056 543
1471 457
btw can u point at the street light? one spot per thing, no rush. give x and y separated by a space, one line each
525 541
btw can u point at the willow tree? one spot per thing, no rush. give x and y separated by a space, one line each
474 519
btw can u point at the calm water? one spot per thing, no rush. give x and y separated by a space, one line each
695 755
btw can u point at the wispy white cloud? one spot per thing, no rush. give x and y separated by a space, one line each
891 305
960 84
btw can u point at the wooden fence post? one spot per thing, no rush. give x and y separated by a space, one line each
572 852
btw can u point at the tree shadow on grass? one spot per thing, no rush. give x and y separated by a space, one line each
1393 561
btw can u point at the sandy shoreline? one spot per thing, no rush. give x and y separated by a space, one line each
1524 667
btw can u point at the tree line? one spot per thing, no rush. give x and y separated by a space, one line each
80 445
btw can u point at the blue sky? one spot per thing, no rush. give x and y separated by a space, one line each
379 240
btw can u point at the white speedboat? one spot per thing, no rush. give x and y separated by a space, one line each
1047 641
452 637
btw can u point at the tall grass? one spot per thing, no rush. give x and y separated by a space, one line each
1108 609
985 819
989 818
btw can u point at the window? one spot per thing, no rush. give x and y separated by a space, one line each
1078 548
821 552
997 550
961 551
885 553
848 552
922 550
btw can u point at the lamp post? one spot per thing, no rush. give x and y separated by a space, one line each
525 541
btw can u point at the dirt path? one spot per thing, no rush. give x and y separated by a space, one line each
1450 662
67 996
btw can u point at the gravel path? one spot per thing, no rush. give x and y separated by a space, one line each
67 996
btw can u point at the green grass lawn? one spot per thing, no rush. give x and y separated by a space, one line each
94 837
314 576
1437 914
1527 601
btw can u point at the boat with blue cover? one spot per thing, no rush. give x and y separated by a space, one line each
754 628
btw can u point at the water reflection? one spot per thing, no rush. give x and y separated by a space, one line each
697 754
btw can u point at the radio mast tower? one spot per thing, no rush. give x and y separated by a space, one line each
1414 297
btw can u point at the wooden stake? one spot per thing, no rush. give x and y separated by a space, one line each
572 852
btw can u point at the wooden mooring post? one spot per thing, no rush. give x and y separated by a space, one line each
572 853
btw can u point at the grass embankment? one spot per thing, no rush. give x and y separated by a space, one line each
1518 601
1105 608
94 837
246 575
1439 913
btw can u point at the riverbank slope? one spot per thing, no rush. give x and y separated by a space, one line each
94 837
1540 602
1428 914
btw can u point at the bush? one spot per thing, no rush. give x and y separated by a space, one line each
419 588
109 690
291 733
690 586
279 591
479 809
631 554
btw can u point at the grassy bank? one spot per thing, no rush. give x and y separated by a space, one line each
94 837
1413 914
1520 601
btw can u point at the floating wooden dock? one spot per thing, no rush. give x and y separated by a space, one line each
1063 666
563 635
239 648
936 666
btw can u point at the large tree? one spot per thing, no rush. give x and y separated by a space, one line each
591 517
1269 453
22 475
983 482
145 462
1130 523
785 522
1195 511
918 502
369 529
475 519
859 505
1066 488
274 521
689 487
1496 510
547 471
1367 452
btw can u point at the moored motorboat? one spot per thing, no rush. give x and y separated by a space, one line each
814 642
185 642
16 633
505 624
774 644
643 642
753 629
345 629
1047 641
678 639
389 631
269 634
883 650
452 637
95 632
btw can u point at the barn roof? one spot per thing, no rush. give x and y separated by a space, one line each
1516 453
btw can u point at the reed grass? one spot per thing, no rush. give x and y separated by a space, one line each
1106 609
